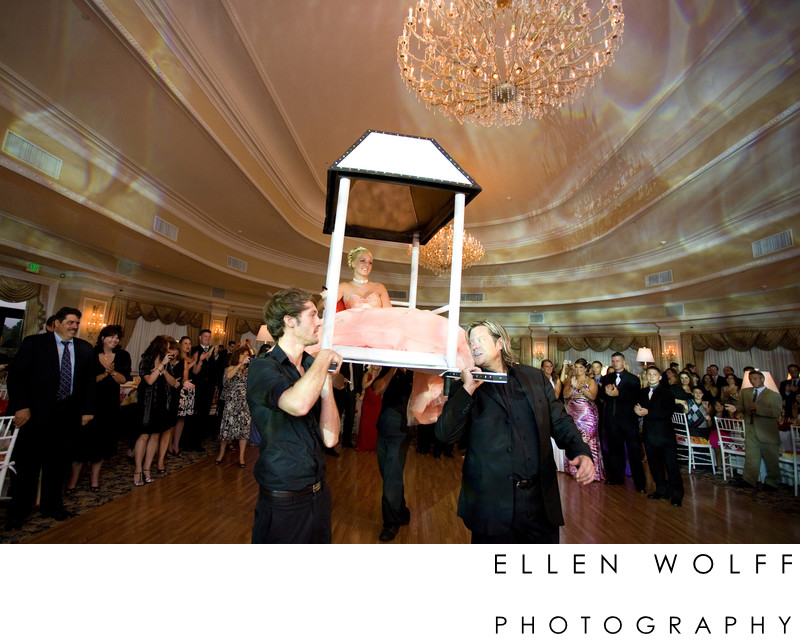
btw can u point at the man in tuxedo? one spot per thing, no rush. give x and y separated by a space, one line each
790 386
509 490
760 408
619 391
204 376
656 403
51 394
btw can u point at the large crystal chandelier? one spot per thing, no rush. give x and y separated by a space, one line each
437 254
494 62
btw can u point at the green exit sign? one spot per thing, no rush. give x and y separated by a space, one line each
33 267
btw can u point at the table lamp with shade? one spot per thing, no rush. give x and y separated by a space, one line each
769 382
263 334
645 356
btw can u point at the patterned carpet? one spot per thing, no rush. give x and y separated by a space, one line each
116 479
782 499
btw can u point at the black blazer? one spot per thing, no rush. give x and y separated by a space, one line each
487 493
35 373
657 427
620 408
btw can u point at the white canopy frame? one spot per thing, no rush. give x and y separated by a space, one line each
400 358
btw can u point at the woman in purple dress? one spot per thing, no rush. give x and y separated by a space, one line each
580 391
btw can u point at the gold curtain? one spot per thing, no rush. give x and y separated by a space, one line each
192 319
117 311
745 339
16 290
559 344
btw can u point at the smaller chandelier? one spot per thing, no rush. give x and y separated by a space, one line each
437 254
497 61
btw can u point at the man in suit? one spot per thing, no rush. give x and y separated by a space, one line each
204 376
619 391
656 403
790 386
716 377
760 408
51 394
509 491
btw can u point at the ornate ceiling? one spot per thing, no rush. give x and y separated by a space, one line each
221 117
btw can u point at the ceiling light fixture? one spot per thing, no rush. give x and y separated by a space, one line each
494 62
437 254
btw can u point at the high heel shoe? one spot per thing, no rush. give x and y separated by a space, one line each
138 482
217 462
241 465
147 478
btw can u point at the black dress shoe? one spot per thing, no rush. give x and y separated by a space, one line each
406 518
388 533
610 482
740 483
676 502
641 490
13 524
657 496
769 488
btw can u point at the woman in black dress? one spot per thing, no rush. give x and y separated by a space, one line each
158 403
97 440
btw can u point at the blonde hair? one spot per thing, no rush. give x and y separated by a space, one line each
353 254
496 331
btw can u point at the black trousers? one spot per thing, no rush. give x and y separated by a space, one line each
392 445
620 439
42 447
346 403
529 523
304 519
199 425
663 463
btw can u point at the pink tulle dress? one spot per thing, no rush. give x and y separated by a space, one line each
365 324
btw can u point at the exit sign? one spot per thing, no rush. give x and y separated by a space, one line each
32 267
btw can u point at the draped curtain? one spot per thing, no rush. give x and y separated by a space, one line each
16 291
236 327
740 340
558 345
166 314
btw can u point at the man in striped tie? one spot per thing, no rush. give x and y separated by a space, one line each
51 395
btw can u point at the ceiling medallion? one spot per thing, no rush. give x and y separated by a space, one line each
495 62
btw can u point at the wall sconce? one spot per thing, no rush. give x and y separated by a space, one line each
218 330
539 351
93 318
670 351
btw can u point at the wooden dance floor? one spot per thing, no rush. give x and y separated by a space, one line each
207 504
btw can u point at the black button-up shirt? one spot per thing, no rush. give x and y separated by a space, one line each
291 447
525 435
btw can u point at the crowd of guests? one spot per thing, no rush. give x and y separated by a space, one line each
68 394
65 396
589 395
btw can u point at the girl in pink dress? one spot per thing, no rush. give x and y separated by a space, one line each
370 321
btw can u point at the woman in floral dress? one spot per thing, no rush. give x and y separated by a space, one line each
235 422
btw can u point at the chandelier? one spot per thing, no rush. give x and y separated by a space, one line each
494 62
437 254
